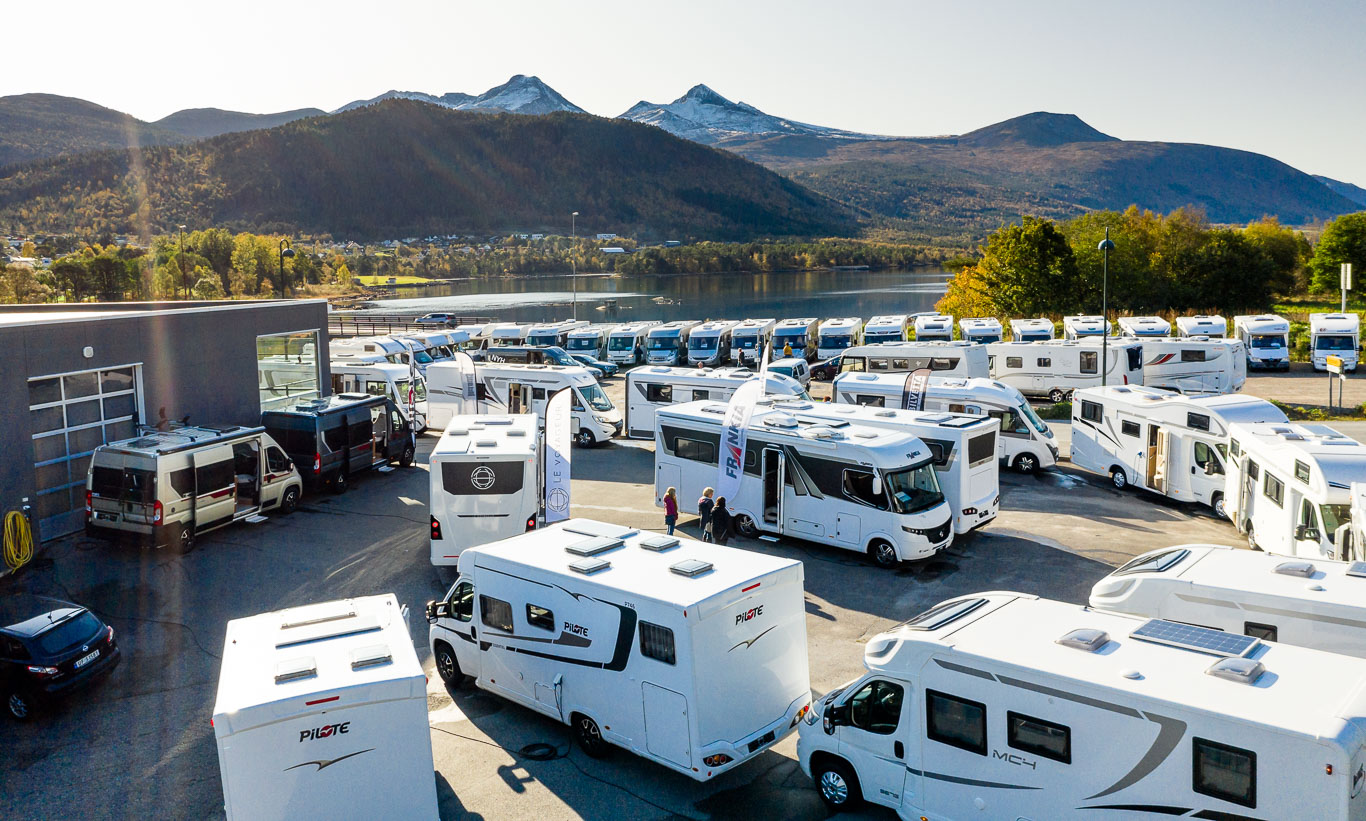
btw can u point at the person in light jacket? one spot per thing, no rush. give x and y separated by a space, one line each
671 509
720 521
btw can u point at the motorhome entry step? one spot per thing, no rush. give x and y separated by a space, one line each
386 469
768 539
255 519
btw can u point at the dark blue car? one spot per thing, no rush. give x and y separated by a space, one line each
48 649
592 362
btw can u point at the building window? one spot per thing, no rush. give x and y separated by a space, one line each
1197 421
1273 489
657 642
495 613
659 393
1042 738
1090 362
287 368
956 722
1301 472
1128 428
1224 772
1092 411
537 616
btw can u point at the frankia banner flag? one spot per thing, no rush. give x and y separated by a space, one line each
731 464
556 463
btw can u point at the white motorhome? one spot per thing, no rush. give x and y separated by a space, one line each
1195 364
512 389
508 333
1210 325
553 333
1078 327
981 331
958 358
369 347
474 334
1025 442
383 378
322 713
931 327
485 482
964 450
1055 368
710 343
835 336
436 344
886 328
690 655
800 334
1006 706
1172 445
749 339
870 490
667 344
626 342
1144 326
1289 487
1319 604
1031 330
590 340
657 386
1266 338
1334 335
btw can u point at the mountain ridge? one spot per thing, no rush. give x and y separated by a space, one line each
201 123
521 94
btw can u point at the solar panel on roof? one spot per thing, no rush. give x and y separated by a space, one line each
1191 637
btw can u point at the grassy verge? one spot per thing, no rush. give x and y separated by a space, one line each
1061 410
1300 413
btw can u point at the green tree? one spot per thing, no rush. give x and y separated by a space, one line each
1227 269
73 275
207 285
1030 269
20 284
1343 240
112 276
1287 249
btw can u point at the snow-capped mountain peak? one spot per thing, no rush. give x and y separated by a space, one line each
519 95
704 116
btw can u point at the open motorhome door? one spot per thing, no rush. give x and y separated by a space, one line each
1351 535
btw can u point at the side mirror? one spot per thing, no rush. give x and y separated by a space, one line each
1306 533
437 610
877 485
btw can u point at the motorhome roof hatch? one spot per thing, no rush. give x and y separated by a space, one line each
658 543
1241 670
1088 639
690 567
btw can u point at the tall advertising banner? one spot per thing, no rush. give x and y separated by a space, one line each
469 388
556 463
913 395
731 465
763 368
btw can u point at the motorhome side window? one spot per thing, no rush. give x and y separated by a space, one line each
1128 428
537 616
943 364
699 395
182 481
1234 447
1042 738
694 449
276 462
1044 362
870 401
876 707
1273 489
1014 362
659 393
1301 472
853 364
1197 421
1010 421
1192 356
335 436
1206 460
495 613
376 388
1224 772
462 602
1089 362
362 431
1252 470
956 722
215 476
858 485
981 449
657 642
1265 632
1135 358
1092 411
537 394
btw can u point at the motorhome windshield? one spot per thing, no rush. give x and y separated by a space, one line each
1334 343
588 343
621 343
985 339
419 392
842 341
1041 336
746 343
1334 517
703 343
422 357
796 339
874 337
595 397
1267 341
913 489
1034 420
662 343
542 339
556 355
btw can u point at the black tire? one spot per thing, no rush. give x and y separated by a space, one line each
584 438
883 554
1056 395
406 460
448 666
19 705
182 540
589 737
340 483
1026 463
837 784
746 527
1220 509
1252 538
290 502
1119 478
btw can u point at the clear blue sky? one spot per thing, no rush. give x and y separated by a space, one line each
1285 79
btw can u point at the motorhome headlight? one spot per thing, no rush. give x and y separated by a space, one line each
1110 588
602 420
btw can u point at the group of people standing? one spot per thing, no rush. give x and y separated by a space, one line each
713 517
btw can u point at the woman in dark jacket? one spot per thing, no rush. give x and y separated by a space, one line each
720 521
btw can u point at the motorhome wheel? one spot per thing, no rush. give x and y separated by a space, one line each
744 525
1252 538
838 785
406 460
588 735
883 554
339 483
18 705
584 438
447 666
1026 463
1219 509
183 540
290 502
1119 478
1056 395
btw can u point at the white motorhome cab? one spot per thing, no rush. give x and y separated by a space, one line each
1144 327
1078 327
870 490
887 328
749 339
690 655
667 344
1031 330
710 342
1289 487
1266 338
1006 706
932 327
793 367
1334 335
1055 368
838 335
964 450
485 482
590 340
1194 364
1025 442
981 331
1210 325
167 487
626 342
553 333
384 378
958 358
508 333
322 713
653 387
1319 604
800 334
436 344
1173 445
513 389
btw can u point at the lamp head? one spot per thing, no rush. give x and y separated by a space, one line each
1105 245
288 252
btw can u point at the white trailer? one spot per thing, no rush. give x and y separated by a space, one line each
590 340
1335 335
1266 338
690 655
485 482
512 389
1210 325
886 328
656 386
1006 706
958 358
1172 445
980 331
1144 327
1319 604
322 713
1195 364
1055 368
508 333
1025 442
1081 326
1031 330
626 342
1289 487
798 333
710 343
870 490
838 335
749 339
931 327
667 343
383 378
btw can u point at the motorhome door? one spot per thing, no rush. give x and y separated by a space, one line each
519 398
1308 531
1207 471
246 458
773 489
875 725
459 630
215 487
1156 474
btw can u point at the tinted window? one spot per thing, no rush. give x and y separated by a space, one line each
215 476
182 481
1091 411
1128 428
495 613
876 707
956 722
1301 472
1252 470
1089 360
858 485
1224 772
462 602
870 401
484 478
1135 358
1192 356
362 431
981 448
1042 738
1274 489
1014 362
275 461
657 642
73 631
659 393
106 481
537 616
1044 362
943 364
335 437
1198 421
296 440
694 450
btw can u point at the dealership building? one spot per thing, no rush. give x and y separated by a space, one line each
85 374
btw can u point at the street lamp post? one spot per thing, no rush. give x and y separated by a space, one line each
180 260
1105 247
286 252
573 266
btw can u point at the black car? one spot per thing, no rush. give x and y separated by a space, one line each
827 370
49 648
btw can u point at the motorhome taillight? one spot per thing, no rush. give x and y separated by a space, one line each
156 512
89 504
436 530
317 463
530 523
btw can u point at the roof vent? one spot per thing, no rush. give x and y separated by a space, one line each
372 656
486 443
690 567
1241 670
1302 569
1086 639
781 420
515 432
941 614
588 527
821 432
589 566
457 431
295 669
887 414
658 543
593 546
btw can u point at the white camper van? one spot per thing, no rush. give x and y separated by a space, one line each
369 347
655 386
981 331
1055 368
474 334
590 340
436 344
749 339
838 335
1025 442
626 342
1210 325
799 333
932 327
511 388
1319 604
710 342
485 482
553 333
1079 327
1334 335
1172 445
322 713
1289 486
667 344
1006 706
1195 364
384 378
690 655
1266 338
887 328
1031 330
870 490
508 333
1144 327
958 358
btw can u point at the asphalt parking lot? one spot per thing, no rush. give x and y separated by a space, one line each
139 745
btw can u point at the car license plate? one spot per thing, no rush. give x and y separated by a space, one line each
86 659
108 517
